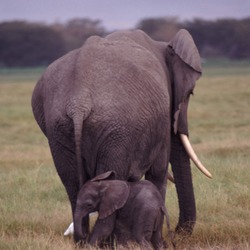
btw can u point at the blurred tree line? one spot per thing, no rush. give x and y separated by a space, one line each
34 44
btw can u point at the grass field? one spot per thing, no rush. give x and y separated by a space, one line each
34 210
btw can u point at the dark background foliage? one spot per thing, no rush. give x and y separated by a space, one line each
25 44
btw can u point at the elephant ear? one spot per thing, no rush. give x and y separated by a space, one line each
184 46
114 195
110 175
185 62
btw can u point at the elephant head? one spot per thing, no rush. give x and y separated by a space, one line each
102 195
185 65
183 61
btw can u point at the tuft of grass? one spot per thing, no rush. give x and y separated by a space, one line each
34 208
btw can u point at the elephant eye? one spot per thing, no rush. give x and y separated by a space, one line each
88 204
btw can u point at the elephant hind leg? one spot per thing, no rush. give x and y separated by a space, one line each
157 174
143 229
157 240
65 162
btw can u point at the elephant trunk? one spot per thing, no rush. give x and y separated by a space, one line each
81 226
180 163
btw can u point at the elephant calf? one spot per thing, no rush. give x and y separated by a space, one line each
128 211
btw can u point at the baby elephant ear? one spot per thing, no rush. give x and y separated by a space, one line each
110 175
114 196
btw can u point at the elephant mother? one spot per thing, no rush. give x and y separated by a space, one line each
120 103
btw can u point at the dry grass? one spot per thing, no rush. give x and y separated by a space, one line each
34 210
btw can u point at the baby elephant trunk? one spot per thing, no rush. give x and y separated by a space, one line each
81 226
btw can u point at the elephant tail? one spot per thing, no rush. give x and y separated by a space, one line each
168 228
78 120
78 110
78 126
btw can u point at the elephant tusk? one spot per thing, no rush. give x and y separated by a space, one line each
189 149
170 177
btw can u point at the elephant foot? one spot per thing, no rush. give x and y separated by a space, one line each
185 229
81 241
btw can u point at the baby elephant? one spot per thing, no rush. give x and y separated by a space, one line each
128 211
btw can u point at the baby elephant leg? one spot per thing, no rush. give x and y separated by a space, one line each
102 230
157 240
144 231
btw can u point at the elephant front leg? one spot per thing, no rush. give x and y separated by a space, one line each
102 230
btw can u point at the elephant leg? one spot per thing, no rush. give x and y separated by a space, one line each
157 240
157 173
65 162
143 228
103 230
143 241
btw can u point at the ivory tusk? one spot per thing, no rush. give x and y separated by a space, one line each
170 177
189 149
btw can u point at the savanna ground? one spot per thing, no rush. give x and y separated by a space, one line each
34 210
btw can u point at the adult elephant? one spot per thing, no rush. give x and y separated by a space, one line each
120 103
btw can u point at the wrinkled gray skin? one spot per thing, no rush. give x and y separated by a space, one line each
128 211
119 103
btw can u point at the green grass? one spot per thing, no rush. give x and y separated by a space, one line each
19 75
34 209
